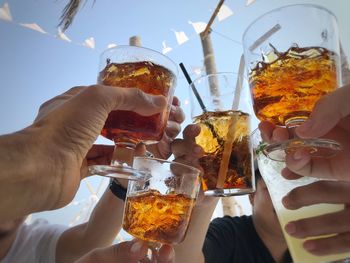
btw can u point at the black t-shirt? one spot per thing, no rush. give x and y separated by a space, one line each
234 240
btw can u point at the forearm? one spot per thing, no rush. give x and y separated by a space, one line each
190 250
101 229
21 192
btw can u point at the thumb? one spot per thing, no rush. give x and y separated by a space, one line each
126 252
136 100
328 111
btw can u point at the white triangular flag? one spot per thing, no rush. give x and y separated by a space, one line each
249 2
224 12
62 36
5 13
35 27
165 48
180 37
89 42
199 27
111 45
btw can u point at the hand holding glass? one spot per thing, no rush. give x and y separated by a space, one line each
158 210
290 67
149 71
225 134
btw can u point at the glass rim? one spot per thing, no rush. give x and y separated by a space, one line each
141 48
199 172
285 7
216 74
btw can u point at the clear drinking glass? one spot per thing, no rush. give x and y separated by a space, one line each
158 210
225 133
292 59
279 187
149 71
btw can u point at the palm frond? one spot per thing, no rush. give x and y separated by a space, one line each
68 13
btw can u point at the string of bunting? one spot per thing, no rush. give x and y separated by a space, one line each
180 36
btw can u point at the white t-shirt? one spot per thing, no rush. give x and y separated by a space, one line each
35 243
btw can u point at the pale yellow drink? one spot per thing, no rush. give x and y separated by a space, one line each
278 187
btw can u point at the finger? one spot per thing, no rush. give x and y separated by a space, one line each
181 148
331 223
176 101
172 129
266 129
115 98
188 160
301 163
166 254
332 192
280 134
98 150
191 131
176 114
187 146
141 102
51 104
289 175
140 150
128 252
328 111
330 245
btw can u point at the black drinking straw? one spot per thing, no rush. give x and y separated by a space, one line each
190 82
210 126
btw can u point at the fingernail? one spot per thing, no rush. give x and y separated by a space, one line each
290 228
285 202
309 245
136 247
298 155
195 128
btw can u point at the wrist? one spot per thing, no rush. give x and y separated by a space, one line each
117 189
19 162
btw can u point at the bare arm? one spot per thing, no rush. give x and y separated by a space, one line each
21 160
190 250
101 229
187 151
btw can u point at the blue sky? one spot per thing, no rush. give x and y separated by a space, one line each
35 67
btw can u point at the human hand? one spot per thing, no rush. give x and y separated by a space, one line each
329 119
338 223
67 128
98 154
128 252
162 149
186 151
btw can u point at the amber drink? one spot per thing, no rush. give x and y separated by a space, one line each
292 59
150 72
286 89
150 78
155 217
213 138
158 209
225 129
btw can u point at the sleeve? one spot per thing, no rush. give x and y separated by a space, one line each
219 241
48 236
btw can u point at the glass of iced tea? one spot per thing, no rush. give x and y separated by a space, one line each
292 60
158 210
225 133
149 71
